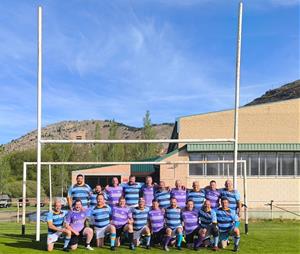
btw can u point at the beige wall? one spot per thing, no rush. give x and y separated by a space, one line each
122 170
277 122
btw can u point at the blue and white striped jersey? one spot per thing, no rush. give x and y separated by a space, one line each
197 196
132 193
163 197
233 197
140 217
206 217
225 219
93 198
101 216
173 217
57 219
81 192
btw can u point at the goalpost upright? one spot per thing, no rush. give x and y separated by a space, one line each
186 141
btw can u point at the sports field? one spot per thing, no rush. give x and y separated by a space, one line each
264 237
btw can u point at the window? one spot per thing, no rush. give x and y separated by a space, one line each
211 168
297 164
196 169
253 164
228 167
287 164
268 163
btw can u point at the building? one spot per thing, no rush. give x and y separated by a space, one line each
269 140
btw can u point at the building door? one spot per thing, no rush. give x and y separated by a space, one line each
99 179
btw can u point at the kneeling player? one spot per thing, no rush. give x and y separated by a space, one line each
122 220
174 227
207 228
140 227
190 217
228 223
55 221
156 221
101 218
75 222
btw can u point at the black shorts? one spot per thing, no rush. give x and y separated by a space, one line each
120 230
157 237
190 237
75 238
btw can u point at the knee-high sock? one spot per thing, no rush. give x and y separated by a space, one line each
199 241
237 240
167 240
67 240
148 239
130 238
179 239
112 239
216 241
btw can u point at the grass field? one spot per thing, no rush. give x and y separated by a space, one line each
263 237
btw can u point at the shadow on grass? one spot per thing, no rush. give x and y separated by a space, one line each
27 241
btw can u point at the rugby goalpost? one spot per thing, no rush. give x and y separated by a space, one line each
41 141
49 164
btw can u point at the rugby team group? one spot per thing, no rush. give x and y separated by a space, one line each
147 214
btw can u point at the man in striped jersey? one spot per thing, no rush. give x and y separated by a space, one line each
122 220
80 191
173 224
213 194
190 219
101 220
197 195
233 197
228 222
131 192
96 192
163 195
114 192
148 190
156 222
140 223
179 193
55 221
207 229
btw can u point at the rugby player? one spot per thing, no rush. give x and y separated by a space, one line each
228 223
131 191
81 191
156 222
179 193
197 195
96 192
190 219
163 195
140 225
114 192
213 194
101 220
233 197
148 190
173 224
207 228
122 220
75 222
55 221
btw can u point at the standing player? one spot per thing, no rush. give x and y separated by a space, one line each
173 224
140 227
75 222
197 195
156 222
80 191
228 223
55 221
190 219
122 220
206 215
233 197
163 195
131 192
148 190
179 193
213 194
114 192
101 218
96 192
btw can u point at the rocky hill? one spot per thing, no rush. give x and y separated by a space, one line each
285 92
84 130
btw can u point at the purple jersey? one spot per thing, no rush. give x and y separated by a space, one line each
120 216
113 194
77 219
213 196
156 219
148 194
190 219
180 196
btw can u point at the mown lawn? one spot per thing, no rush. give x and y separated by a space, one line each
263 237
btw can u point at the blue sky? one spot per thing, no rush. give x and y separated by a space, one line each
117 59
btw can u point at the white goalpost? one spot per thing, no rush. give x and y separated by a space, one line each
40 141
49 164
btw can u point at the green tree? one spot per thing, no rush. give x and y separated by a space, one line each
115 151
98 149
5 172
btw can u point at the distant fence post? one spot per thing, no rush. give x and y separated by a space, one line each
271 207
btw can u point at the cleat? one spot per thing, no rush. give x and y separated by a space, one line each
178 247
89 247
215 248
166 248
148 247
131 247
65 249
112 248
235 248
196 248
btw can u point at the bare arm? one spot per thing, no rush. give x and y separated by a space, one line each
51 226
